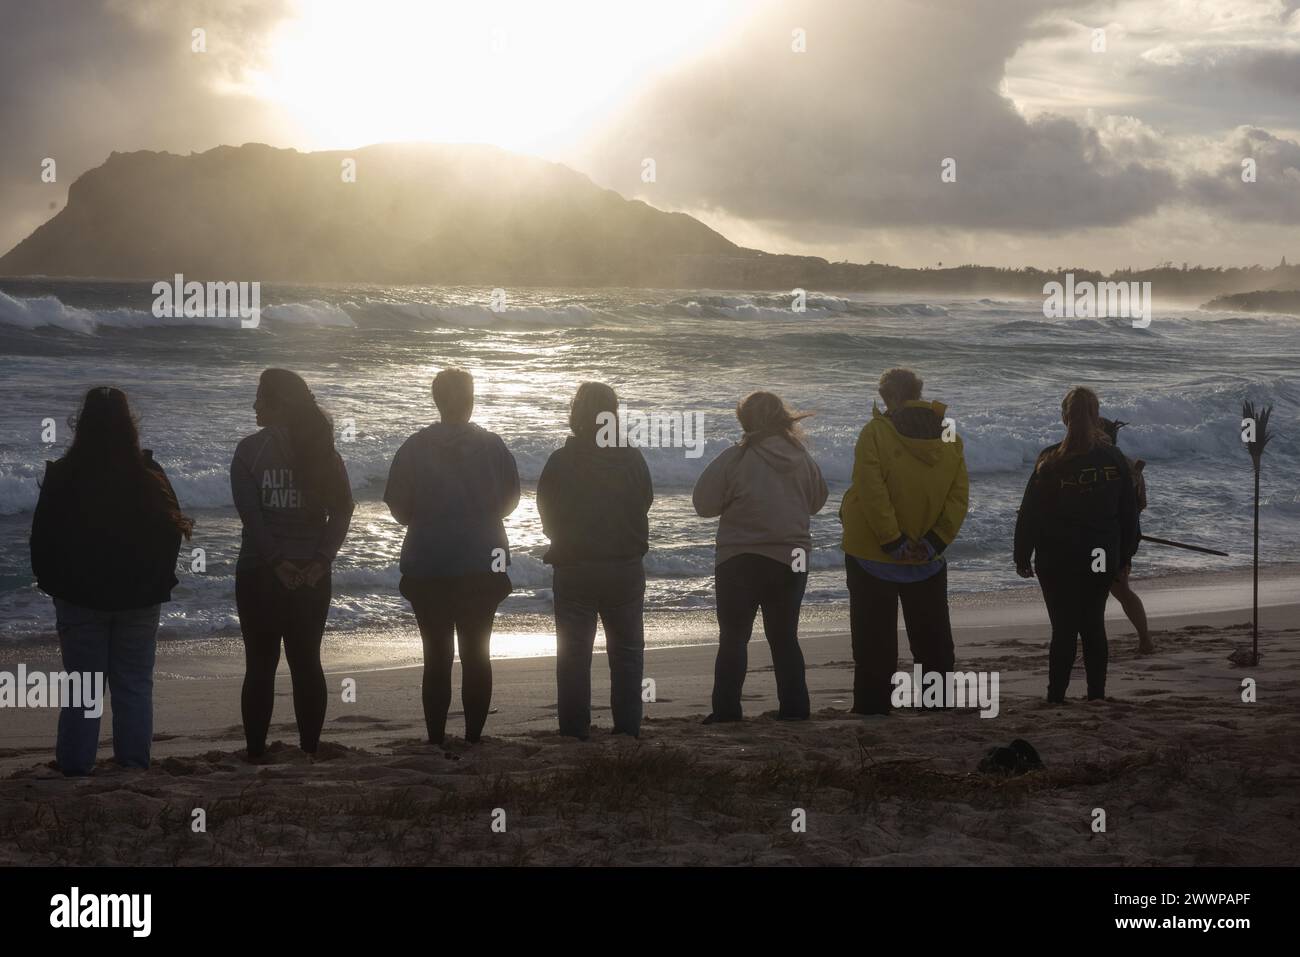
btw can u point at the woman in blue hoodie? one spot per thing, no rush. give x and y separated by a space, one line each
593 498
451 484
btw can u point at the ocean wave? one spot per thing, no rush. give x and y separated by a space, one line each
1162 429
780 306
314 312
50 312
477 316
19 490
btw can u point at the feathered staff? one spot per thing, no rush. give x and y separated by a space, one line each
1254 433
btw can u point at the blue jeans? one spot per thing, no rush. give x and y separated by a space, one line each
616 593
120 645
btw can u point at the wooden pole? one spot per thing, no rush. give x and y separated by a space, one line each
1254 628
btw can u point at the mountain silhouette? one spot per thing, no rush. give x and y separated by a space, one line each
421 213
458 214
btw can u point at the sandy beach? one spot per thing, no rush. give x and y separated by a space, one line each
1185 771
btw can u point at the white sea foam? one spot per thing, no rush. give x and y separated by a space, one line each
49 312
1000 366
476 316
314 312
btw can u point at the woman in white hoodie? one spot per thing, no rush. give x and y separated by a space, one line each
765 488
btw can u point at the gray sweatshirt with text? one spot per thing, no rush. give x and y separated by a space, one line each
280 523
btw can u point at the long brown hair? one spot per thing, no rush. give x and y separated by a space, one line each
762 414
105 456
311 436
1081 412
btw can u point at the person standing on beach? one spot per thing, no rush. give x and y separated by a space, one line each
765 489
105 536
451 484
292 493
905 506
1078 523
1123 592
593 498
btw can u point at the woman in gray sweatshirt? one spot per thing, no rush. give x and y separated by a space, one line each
764 489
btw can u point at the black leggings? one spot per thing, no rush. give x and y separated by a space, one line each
269 613
451 610
1076 605
746 584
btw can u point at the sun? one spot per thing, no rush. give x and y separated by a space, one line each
522 75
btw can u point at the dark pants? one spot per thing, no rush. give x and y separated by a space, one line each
873 622
456 611
270 614
119 645
745 584
1076 605
616 593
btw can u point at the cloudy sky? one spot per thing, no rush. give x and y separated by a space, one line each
1094 134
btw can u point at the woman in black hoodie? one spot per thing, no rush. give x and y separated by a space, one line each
1078 523
593 497
105 537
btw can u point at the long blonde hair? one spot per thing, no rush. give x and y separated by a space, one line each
1081 412
764 413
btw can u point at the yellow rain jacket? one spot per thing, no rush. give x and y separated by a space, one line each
905 483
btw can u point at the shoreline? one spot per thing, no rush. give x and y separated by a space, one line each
532 634
207 673
1186 772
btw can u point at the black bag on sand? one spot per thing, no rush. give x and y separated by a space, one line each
1019 757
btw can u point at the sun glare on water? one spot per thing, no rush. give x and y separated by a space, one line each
519 74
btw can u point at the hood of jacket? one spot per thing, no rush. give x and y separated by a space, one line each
918 426
605 459
459 441
908 482
777 451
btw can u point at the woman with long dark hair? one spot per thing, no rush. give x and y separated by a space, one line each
765 489
1078 523
105 536
292 493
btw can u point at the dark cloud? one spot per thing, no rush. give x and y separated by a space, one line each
82 78
1277 70
845 138
1274 196
853 131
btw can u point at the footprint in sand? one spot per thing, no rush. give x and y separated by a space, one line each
379 724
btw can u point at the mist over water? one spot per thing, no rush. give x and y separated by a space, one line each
369 354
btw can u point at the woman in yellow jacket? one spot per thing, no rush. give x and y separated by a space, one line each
905 506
